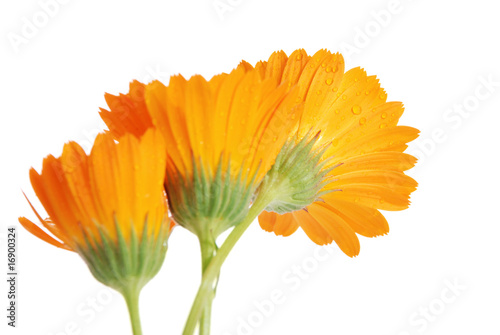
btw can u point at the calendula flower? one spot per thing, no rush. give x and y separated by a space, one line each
128 112
346 160
222 136
109 207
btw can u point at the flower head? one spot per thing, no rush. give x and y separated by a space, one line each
352 138
222 136
128 112
109 206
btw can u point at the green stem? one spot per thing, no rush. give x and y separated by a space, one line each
132 298
207 253
212 271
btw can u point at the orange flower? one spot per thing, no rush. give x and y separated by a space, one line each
128 112
359 147
106 205
221 135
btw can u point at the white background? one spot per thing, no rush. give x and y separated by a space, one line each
434 56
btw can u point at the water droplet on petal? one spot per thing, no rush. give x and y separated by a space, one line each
384 115
383 125
331 68
362 121
344 97
319 92
367 92
329 81
356 109
299 56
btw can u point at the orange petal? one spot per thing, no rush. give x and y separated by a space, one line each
38 232
337 228
283 225
393 161
316 232
363 220
128 112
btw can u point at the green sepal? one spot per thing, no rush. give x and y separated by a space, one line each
297 176
209 202
125 265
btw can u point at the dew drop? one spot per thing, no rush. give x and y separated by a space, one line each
329 81
384 115
323 65
337 111
319 92
335 142
362 121
358 93
275 138
367 92
356 109
383 125
299 56
382 96
344 97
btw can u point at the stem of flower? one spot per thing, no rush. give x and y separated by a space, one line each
131 296
205 291
208 249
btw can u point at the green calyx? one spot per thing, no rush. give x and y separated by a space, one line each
297 177
125 265
207 203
